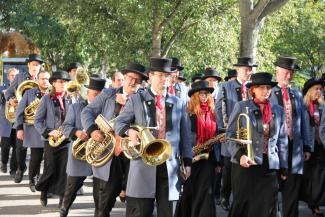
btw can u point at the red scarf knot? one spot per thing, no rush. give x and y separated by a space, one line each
285 93
266 111
206 124
59 96
158 102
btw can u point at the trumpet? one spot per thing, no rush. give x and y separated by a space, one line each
152 151
55 142
244 134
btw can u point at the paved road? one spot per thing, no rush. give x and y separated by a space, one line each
17 200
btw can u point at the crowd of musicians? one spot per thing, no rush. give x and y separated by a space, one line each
237 142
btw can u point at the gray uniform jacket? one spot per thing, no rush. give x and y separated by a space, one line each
228 95
300 127
32 138
278 140
49 116
322 126
140 109
71 124
181 91
20 77
5 125
105 104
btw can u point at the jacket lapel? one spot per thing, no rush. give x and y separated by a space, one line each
169 113
278 94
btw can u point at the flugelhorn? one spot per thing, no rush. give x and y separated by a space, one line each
79 149
55 142
244 134
98 153
152 151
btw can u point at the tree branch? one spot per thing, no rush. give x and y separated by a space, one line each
265 7
170 15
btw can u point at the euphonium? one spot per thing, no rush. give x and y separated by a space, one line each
244 134
30 111
55 142
152 151
10 111
79 149
98 153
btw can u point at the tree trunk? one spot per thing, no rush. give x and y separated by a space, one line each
156 42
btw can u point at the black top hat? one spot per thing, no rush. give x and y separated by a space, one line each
200 85
93 75
232 73
261 78
287 62
63 75
311 82
96 83
73 66
211 72
136 68
181 77
176 64
34 57
245 61
161 65
197 76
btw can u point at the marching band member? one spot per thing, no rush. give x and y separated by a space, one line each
34 63
72 70
299 135
231 75
155 107
7 132
77 170
212 76
49 117
314 172
27 132
175 88
109 103
198 190
229 94
256 178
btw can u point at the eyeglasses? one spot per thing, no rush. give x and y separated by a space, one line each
130 78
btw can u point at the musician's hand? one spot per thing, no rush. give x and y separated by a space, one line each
55 133
133 134
245 161
81 135
13 102
283 177
223 138
97 135
186 173
20 134
307 156
121 98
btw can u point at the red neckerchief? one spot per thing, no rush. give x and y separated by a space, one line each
266 111
59 96
206 128
158 103
285 93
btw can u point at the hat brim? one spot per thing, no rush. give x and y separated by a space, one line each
38 60
53 79
94 88
180 68
192 91
296 67
144 76
251 84
212 76
238 64
305 89
161 70
228 77
182 78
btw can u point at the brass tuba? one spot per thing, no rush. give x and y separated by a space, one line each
79 149
152 151
10 111
30 111
98 153
55 142
244 134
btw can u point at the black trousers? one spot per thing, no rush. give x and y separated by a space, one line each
21 153
53 179
36 157
6 144
290 188
125 162
143 207
225 190
109 190
255 191
73 184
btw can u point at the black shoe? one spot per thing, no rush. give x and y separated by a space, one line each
13 174
63 212
3 168
43 198
19 176
32 185
224 204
